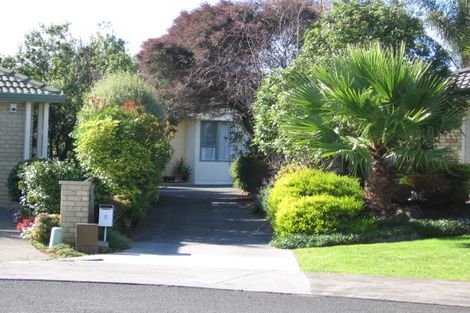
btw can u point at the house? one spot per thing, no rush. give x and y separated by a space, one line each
204 143
459 139
24 121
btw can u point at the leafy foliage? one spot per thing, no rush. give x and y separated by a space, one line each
117 241
39 184
181 170
442 189
13 180
119 88
127 149
249 172
64 251
359 22
412 230
373 108
43 224
51 55
311 182
450 20
318 214
214 57
355 22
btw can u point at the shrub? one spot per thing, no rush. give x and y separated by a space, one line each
249 172
118 241
64 251
39 183
181 170
440 228
442 189
43 224
119 88
409 231
318 240
317 214
13 180
309 182
127 149
260 206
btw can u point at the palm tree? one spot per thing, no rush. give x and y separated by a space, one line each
451 20
378 111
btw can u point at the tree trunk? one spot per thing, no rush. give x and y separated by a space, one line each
378 186
465 60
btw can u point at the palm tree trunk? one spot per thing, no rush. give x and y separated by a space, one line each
378 186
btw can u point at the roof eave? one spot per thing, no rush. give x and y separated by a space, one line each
32 98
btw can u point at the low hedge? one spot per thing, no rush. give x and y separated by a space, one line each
318 214
311 182
419 229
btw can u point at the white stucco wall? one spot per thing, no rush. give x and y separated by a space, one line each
186 144
209 172
178 144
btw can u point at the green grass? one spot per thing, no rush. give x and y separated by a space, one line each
440 258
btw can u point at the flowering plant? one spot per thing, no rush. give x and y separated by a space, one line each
25 223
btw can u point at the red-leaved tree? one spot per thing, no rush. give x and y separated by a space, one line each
214 57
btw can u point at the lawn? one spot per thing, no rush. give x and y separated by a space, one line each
442 258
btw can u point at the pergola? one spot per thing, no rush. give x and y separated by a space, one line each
17 88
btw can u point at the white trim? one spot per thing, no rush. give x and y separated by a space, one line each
27 131
39 130
45 131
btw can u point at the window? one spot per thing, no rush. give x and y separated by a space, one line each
215 141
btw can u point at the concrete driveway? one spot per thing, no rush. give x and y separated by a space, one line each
207 237
213 227
12 246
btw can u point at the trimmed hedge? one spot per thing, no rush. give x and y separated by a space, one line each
311 182
318 214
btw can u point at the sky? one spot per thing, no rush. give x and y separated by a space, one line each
132 20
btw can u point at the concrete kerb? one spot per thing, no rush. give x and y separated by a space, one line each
455 293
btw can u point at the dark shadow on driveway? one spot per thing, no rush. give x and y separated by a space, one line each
216 215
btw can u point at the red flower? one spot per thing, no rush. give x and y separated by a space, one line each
24 222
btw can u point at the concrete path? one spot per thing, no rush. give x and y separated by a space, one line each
198 237
12 246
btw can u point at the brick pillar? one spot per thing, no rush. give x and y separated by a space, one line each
76 206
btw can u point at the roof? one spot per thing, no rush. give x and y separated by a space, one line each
17 87
462 79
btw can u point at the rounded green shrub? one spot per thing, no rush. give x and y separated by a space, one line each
127 150
249 172
319 214
310 182
39 183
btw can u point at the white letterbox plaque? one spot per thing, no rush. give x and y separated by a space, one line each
106 217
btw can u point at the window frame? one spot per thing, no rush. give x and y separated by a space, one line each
217 144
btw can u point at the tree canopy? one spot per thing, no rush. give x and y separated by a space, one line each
450 19
214 57
52 55
355 22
